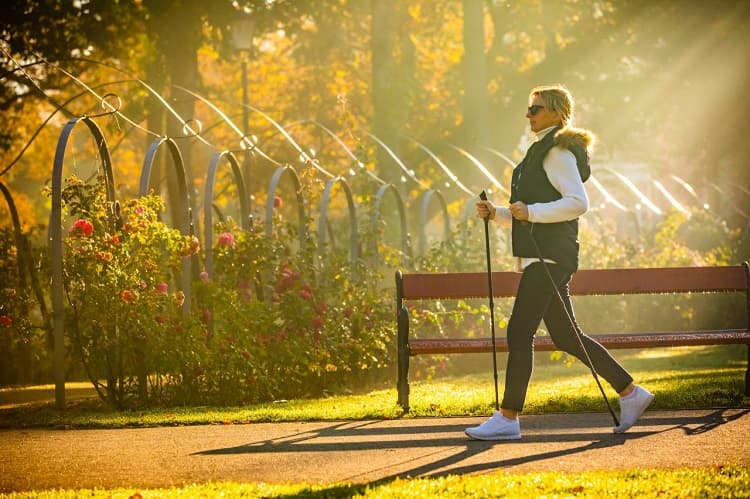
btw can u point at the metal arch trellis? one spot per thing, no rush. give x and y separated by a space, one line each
275 179
23 256
208 202
184 215
405 246
323 219
423 218
56 244
25 260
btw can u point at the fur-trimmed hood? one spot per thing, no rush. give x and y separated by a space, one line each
570 138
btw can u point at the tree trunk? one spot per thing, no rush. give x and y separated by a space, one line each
385 95
177 30
475 102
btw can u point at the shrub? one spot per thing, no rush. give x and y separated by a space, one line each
122 320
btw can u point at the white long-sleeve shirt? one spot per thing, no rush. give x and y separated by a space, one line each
562 172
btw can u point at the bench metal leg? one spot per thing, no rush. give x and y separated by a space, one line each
403 359
747 374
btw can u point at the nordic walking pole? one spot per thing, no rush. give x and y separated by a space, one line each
573 327
483 197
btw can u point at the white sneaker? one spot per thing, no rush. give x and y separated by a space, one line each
496 427
631 408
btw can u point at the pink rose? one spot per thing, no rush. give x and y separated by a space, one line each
162 288
227 239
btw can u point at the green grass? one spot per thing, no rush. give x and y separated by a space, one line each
684 377
725 482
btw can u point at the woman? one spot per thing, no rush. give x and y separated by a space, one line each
547 197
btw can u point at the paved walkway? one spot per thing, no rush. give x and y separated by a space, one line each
363 451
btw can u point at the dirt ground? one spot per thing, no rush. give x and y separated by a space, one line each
363 451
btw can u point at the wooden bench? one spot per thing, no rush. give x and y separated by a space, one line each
416 286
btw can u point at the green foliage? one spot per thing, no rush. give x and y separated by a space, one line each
720 481
19 340
277 317
124 324
289 323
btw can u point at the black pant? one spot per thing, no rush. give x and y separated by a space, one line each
536 300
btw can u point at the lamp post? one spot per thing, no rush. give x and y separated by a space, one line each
243 32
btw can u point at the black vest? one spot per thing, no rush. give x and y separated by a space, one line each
556 241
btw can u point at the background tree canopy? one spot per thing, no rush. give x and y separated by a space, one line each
661 83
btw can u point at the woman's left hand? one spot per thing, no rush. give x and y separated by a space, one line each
519 210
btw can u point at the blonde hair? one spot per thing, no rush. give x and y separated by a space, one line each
558 99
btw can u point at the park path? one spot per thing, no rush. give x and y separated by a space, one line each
363 451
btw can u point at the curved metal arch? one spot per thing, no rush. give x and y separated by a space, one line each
145 180
423 218
342 145
55 240
441 164
635 190
208 205
184 216
405 247
473 160
469 208
275 179
21 247
322 221
409 173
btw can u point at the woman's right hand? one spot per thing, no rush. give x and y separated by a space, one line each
485 209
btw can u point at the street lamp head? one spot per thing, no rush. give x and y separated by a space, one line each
243 31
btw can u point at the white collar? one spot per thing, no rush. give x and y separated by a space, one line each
542 133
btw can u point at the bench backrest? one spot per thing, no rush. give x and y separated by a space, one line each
584 282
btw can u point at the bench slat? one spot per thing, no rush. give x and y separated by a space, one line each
544 343
584 282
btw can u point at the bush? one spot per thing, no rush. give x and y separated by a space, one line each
122 320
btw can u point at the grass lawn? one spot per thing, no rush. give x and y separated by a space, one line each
725 482
682 377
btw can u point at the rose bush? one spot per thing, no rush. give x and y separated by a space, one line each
122 320
21 344
289 323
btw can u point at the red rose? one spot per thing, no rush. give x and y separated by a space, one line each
128 296
81 228
318 322
206 318
6 321
277 202
306 292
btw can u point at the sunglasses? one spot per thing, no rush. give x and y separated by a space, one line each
535 109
